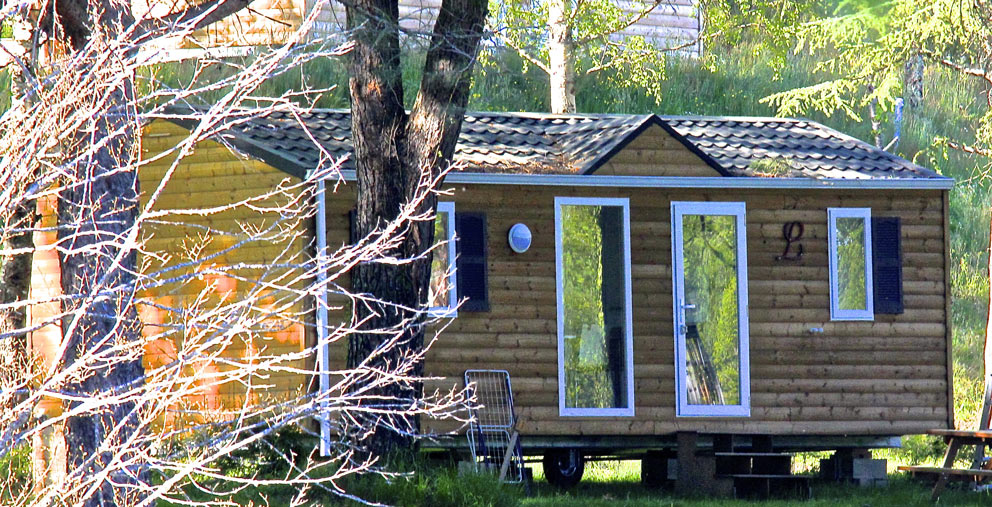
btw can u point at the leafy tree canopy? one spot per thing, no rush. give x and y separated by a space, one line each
870 51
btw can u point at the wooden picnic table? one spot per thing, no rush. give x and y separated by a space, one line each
955 439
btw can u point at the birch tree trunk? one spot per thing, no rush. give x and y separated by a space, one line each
561 60
394 154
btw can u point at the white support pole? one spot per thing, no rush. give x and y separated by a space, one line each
323 346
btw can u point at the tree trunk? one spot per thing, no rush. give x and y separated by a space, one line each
95 217
913 79
561 58
987 351
15 270
394 154
15 277
876 124
97 210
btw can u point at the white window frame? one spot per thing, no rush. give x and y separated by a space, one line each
564 411
451 310
836 312
739 211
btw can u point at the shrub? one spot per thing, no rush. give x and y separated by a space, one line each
15 473
430 485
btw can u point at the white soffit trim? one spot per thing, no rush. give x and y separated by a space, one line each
583 180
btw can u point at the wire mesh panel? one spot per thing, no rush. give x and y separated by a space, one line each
492 437
495 401
493 448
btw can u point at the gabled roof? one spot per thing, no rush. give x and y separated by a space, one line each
807 149
531 143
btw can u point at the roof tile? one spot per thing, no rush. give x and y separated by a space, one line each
563 144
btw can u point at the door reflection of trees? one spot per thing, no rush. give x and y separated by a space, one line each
712 331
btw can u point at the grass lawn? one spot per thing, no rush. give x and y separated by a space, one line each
616 484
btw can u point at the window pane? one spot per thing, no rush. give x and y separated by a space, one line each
594 308
439 293
851 263
712 335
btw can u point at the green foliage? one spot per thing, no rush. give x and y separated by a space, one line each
590 324
436 486
637 64
617 484
502 82
916 450
321 82
284 453
268 459
582 251
15 474
865 49
4 90
710 267
272 455
766 26
851 263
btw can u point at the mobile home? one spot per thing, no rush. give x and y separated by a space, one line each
767 278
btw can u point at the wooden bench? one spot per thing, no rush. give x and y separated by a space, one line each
955 439
965 473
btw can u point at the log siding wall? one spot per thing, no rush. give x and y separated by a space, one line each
885 377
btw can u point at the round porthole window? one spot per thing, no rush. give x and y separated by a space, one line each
519 238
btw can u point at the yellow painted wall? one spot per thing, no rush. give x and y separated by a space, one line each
212 177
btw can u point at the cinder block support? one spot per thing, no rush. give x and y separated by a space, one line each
697 473
855 465
658 469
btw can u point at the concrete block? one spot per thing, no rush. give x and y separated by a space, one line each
869 468
870 472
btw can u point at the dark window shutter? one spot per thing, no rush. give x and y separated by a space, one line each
352 227
472 279
886 261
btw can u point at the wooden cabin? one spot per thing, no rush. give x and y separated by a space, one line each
764 277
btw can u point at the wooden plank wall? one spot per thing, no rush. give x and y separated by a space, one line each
656 153
672 24
885 377
213 176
